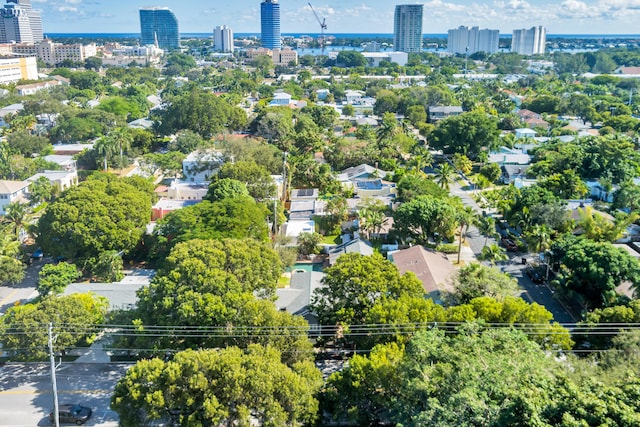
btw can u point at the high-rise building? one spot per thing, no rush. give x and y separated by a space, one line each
158 25
471 40
270 24
407 28
20 23
223 39
529 42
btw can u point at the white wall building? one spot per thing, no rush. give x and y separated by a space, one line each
200 166
475 39
52 53
374 58
14 69
530 41
223 39
407 28
13 191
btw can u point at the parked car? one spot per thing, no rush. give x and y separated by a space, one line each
509 244
38 254
533 274
71 413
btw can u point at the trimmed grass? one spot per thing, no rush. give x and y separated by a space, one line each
284 281
331 240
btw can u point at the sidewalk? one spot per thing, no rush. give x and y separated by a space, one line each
94 353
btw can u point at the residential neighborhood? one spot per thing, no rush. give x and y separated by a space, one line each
330 219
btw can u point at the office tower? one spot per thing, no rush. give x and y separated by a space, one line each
20 23
529 42
270 22
407 28
223 39
470 40
159 25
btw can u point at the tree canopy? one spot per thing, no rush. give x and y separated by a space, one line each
219 387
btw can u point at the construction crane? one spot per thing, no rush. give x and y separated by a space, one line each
323 26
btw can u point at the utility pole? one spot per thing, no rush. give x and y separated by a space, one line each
284 177
56 415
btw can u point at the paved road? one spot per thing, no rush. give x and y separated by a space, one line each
24 291
532 292
26 396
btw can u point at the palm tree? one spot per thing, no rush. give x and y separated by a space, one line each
444 175
466 218
16 216
493 254
538 238
123 137
420 159
105 147
487 227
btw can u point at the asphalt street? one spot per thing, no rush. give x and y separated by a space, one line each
22 292
539 293
26 392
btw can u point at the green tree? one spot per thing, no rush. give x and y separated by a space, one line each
54 278
186 142
477 280
354 284
255 177
96 216
24 332
26 144
466 134
348 110
595 269
108 267
308 243
493 253
487 228
351 58
219 387
41 190
445 175
462 163
491 171
226 188
426 217
236 218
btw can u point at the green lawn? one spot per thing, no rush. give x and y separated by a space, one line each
331 240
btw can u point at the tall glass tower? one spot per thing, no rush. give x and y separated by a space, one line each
407 28
159 24
270 20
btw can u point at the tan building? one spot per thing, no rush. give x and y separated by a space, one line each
32 88
284 56
52 53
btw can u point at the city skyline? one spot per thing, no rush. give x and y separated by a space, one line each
348 16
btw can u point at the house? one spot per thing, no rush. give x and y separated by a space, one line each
143 123
599 192
32 88
373 187
322 94
361 172
356 245
71 149
199 166
375 58
9 110
532 119
280 99
13 191
354 96
296 298
525 133
294 227
510 159
304 204
66 163
183 190
432 268
165 206
437 113
61 180
510 173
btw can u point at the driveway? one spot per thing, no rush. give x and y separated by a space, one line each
23 291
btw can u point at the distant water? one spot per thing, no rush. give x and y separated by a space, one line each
371 36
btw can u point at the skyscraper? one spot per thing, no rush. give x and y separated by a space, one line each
159 24
270 23
20 23
529 42
223 39
472 40
407 28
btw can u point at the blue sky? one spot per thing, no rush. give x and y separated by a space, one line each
349 16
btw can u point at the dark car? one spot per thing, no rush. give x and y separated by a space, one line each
534 275
38 254
75 414
509 244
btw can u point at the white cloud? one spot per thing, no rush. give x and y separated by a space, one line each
67 9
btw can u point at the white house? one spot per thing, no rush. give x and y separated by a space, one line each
59 179
13 191
280 99
67 163
199 166
375 58
181 190
525 133
354 96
